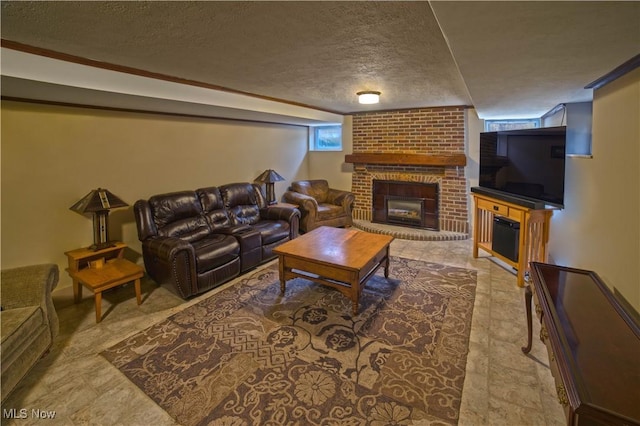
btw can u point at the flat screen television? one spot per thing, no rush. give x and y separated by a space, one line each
525 163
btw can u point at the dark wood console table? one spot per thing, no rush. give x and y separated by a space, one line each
592 342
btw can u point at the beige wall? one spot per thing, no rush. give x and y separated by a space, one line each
52 156
331 165
473 127
599 229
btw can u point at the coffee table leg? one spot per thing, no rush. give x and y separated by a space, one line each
386 264
386 268
355 293
98 298
281 273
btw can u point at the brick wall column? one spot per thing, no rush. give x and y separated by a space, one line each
416 131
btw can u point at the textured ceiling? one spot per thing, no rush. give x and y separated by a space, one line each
524 58
508 59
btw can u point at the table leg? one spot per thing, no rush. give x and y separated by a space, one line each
98 298
355 293
281 274
386 265
137 286
528 295
77 291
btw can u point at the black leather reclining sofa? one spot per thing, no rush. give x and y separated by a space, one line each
197 240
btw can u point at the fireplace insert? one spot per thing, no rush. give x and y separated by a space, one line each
413 204
405 210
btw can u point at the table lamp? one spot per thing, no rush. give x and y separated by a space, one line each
99 202
268 177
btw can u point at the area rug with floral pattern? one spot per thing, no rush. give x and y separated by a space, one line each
249 355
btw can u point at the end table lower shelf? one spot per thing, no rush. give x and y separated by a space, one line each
115 272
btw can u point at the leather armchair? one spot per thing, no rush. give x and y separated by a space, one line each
320 205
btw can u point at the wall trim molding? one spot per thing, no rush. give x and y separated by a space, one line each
616 73
21 47
142 111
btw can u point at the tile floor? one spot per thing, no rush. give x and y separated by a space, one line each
502 386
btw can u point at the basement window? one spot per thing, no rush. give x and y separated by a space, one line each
325 138
515 124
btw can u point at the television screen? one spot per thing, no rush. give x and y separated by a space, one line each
526 163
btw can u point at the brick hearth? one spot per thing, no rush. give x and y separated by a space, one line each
431 131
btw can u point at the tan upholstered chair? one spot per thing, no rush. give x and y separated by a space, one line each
29 320
320 205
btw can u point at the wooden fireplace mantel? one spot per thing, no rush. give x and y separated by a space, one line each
407 159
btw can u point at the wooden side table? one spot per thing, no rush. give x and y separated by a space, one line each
109 270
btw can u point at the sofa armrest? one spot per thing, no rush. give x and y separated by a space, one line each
289 214
28 285
31 286
168 247
304 202
279 213
174 259
341 198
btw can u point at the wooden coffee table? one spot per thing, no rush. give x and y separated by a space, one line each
344 259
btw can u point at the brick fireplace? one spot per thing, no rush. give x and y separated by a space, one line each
418 145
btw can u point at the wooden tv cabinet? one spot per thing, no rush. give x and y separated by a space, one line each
534 231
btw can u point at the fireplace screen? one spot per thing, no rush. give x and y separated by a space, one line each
412 204
405 210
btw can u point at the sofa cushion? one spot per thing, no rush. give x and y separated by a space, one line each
172 207
215 250
241 201
213 207
272 231
179 214
19 327
191 229
245 214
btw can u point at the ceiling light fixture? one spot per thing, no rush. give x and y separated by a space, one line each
368 97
